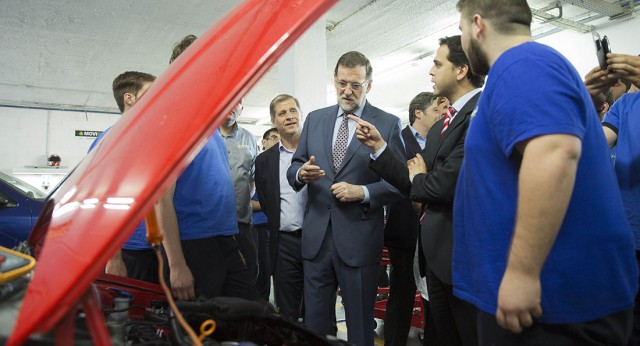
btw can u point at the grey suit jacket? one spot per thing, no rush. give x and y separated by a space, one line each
358 228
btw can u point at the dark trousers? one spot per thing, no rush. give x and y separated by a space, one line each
288 278
430 332
217 267
263 284
613 329
248 243
453 317
635 334
402 293
141 265
322 275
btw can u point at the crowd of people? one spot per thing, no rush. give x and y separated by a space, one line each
519 198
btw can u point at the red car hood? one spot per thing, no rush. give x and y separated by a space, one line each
111 191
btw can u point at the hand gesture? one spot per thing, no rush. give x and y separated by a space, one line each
346 192
309 172
416 166
368 134
598 82
625 66
518 301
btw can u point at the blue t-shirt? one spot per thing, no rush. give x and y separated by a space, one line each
624 119
258 217
137 240
591 270
204 198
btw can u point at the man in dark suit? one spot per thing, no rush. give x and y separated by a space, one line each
433 183
261 227
283 207
401 229
343 223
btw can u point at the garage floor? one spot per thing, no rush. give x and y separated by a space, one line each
414 333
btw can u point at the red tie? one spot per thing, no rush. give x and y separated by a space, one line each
450 113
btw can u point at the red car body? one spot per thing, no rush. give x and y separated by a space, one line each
111 191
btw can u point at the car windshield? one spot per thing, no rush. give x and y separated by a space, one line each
22 187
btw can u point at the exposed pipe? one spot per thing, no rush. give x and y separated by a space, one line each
62 108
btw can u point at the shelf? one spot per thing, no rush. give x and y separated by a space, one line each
63 170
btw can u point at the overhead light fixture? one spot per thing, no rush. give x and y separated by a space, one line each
246 121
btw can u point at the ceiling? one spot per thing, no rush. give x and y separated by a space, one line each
64 54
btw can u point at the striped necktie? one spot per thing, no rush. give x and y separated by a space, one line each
450 113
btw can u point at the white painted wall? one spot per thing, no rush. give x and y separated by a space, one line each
580 49
29 136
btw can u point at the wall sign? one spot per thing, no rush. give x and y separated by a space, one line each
86 133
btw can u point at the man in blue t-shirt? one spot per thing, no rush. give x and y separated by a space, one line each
536 250
621 126
197 215
136 259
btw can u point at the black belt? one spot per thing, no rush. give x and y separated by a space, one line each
296 233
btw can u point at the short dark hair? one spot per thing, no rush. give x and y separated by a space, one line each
609 98
129 82
181 46
278 99
353 59
506 16
627 83
420 102
458 58
268 133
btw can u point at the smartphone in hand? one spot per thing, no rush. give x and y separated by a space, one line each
602 49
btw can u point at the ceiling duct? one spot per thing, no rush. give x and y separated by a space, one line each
544 16
598 6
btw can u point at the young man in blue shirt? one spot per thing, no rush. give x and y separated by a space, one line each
136 259
621 126
537 252
197 215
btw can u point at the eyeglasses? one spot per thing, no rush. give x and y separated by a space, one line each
355 86
274 138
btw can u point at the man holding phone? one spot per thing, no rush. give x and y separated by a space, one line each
621 126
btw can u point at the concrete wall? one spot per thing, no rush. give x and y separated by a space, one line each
29 136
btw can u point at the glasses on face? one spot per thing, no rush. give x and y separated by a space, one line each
355 86
274 138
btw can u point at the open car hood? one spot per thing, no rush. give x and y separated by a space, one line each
109 193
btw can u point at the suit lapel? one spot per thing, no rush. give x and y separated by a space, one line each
411 145
462 115
328 124
274 170
434 133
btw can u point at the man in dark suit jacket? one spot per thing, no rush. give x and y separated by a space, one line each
343 224
283 207
433 184
401 231
261 227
